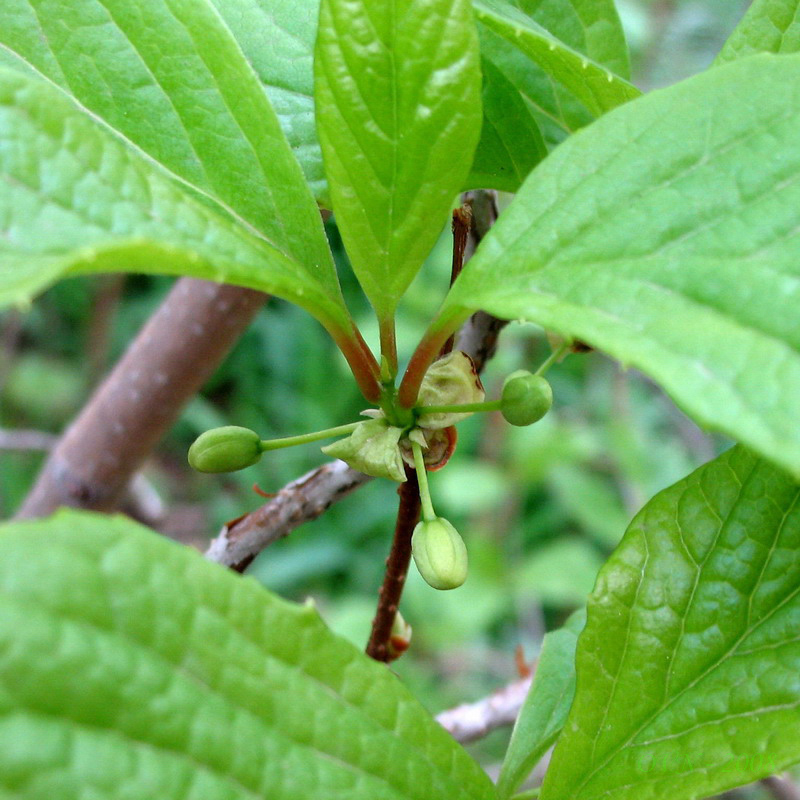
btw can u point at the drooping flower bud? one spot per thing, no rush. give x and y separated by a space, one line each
439 553
225 449
526 398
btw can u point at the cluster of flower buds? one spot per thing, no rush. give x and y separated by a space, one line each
382 446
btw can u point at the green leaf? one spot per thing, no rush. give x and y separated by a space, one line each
169 78
397 87
546 707
688 665
666 234
285 69
770 26
590 27
76 199
511 144
597 87
131 667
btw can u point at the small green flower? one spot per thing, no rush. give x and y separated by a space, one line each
372 448
439 553
225 449
450 381
526 398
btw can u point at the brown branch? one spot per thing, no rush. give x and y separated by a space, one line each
462 224
302 500
471 721
396 568
165 365
781 787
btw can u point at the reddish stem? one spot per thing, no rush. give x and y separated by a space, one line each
396 568
423 357
462 223
362 363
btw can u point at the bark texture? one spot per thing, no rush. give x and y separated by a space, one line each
170 359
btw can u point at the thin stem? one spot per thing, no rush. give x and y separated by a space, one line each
462 223
305 438
428 514
552 358
396 568
464 408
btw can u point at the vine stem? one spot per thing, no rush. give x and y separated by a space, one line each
396 568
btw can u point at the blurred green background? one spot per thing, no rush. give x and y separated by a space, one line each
540 508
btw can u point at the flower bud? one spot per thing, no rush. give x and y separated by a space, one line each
439 553
526 398
399 639
225 449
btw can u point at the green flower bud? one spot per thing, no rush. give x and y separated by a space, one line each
439 553
526 398
225 449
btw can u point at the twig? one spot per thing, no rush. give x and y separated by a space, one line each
471 721
26 440
396 568
165 365
462 224
302 500
781 787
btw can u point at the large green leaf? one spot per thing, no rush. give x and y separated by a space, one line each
277 37
770 26
688 666
169 77
130 667
668 234
73 198
397 86
589 81
546 707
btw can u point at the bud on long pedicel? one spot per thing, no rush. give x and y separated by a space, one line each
225 449
439 553
526 398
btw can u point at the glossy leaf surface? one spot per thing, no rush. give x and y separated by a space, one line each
170 79
688 665
397 88
597 87
589 27
277 38
668 235
74 198
132 667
